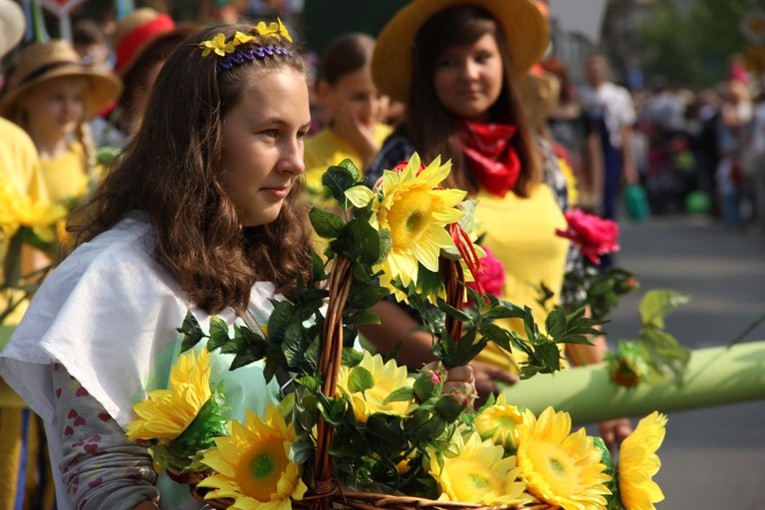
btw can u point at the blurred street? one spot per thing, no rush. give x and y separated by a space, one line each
713 458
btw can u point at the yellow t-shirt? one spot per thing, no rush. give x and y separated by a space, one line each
66 176
325 149
520 232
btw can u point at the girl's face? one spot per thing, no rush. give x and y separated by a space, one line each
263 143
468 78
56 107
354 95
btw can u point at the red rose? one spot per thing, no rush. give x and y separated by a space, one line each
595 236
491 274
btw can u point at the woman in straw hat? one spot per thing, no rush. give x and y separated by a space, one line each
456 65
53 97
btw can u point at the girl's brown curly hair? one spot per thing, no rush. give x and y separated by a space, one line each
172 170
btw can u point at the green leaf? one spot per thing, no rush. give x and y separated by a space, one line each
657 304
301 451
219 333
317 267
400 395
362 317
666 355
360 379
325 223
192 332
556 322
340 178
364 295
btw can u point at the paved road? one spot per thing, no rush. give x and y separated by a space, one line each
713 458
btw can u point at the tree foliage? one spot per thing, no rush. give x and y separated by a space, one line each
691 43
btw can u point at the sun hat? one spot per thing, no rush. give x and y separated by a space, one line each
42 62
12 24
524 28
138 32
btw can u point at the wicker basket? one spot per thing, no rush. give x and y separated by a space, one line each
325 493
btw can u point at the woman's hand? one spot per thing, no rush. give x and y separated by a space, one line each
486 378
613 432
362 136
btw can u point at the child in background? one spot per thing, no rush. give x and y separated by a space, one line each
54 96
352 106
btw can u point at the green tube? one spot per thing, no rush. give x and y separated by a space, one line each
714 376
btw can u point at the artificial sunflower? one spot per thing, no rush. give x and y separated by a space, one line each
478 473
638 463
167 413
383 379
498 422
253 466
411 206
559 467
19 210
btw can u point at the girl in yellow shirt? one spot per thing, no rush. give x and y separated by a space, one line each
53 97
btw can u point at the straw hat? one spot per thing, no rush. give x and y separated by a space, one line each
523 26
11 25
42 62
539 92
138 32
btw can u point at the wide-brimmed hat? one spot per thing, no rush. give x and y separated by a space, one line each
12 25
42 62
523 26
139 31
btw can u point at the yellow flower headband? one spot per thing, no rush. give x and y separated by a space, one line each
221 46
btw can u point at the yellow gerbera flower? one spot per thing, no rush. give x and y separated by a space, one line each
218 45
387 378
416 215
559 467
478 474
167 413
252 465
498 422
638 463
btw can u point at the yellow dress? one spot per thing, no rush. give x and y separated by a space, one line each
66 176
520 232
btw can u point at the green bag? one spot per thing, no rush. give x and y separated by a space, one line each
636 203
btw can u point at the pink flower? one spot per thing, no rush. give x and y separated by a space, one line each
491 275
595 236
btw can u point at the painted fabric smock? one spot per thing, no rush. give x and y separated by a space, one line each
108 314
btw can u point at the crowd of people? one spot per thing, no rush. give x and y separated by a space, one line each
184 169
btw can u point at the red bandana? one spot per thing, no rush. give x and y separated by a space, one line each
491 156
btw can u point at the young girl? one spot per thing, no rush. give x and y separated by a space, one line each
456 65
353 107
53 98
203 213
